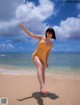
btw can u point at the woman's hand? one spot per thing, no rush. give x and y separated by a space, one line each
21 26
47 65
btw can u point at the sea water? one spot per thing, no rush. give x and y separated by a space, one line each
22 62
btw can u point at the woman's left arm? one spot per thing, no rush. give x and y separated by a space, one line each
47 55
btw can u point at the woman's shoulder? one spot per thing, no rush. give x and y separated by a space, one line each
41 38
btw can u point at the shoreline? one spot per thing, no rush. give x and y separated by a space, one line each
55 74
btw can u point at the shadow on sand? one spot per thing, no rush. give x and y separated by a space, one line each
38 96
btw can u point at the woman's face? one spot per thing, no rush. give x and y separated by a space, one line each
49 35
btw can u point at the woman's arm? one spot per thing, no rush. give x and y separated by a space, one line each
28 33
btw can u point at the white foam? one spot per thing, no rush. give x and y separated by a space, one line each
3 55
17 72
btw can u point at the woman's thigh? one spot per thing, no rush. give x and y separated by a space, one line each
37 62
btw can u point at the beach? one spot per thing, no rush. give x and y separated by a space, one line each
24 90
19 83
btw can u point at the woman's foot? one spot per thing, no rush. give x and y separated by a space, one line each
43 90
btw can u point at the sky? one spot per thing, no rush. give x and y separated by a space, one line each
36 16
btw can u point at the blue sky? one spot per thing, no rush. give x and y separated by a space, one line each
37 16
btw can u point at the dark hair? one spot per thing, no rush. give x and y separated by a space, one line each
51 30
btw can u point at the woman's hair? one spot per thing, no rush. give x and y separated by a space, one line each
50 30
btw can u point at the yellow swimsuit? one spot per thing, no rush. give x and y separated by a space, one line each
41 51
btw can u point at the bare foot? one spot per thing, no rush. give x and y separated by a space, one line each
43 90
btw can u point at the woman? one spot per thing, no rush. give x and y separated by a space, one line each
41 54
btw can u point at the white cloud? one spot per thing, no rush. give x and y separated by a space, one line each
34 16
78 15
10 46
9 28
70 28
6 46
31 14
7 41
30 11
78 8
4 25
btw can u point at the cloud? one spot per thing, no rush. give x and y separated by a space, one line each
10 46
8 28
33 17
31 14
66 46
30 11
8 22
8 9
78 8
5 46
68 29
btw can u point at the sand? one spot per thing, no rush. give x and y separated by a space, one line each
24 90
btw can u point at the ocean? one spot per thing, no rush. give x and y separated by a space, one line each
68 63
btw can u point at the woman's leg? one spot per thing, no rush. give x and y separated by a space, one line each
39 66
43 72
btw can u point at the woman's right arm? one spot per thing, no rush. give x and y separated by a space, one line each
28 33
